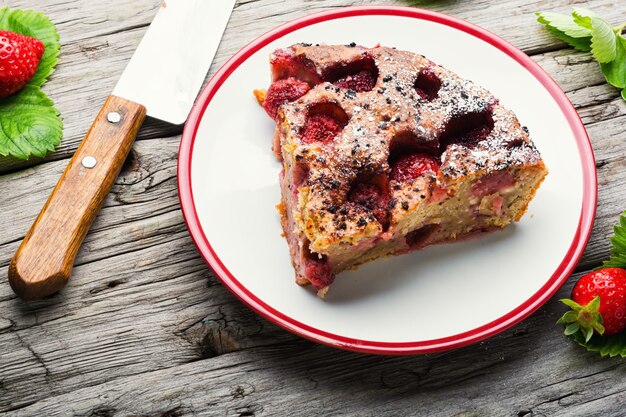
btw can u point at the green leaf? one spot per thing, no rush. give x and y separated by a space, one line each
588 333
571 303
36 25
581 44
618 243
603 41
582 319
586 31
615 73
604 345
594 304
571 329
568 317
564 28
564 24
29 122
598 327
583 16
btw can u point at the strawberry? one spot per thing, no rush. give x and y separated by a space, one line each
321 128
410 166
281 92
363 80
598 303
284 64
373 198
427 85
318 270
19 57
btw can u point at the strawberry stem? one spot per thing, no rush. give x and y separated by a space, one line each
584 319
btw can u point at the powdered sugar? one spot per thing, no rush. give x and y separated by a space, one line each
397 105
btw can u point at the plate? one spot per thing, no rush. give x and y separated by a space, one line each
443 297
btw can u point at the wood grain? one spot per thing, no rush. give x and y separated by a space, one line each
43 263
98 44
145 329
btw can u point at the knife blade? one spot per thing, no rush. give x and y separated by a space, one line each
179 47
161 80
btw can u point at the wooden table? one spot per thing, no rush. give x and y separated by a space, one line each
145 329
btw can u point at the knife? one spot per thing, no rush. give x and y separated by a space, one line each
161 80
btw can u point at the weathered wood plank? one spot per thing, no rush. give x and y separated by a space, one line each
145 329
98 44
93 335
603 112
600 107
529 370
110 285
81 20
135 260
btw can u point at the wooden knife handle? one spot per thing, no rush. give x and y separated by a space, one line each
43 262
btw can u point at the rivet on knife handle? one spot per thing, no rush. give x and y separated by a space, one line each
43 262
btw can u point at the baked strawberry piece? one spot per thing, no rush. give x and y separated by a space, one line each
385 152
281 92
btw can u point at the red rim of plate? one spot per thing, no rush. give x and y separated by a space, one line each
462 339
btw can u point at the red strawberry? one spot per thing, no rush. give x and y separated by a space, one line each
284 64
598 303
321 128
19 57
363 80
427 85
373 198
318 271
281 92
410 166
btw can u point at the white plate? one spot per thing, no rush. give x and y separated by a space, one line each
438 298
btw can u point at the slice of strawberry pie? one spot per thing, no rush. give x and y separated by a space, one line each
385 152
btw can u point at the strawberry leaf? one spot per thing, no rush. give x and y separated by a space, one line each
564 24
615 71
572 328
588 333
603 41
594 304
582 320
618 242
581 44
29 123
564 28
568 317
586 31
598 327
583 16
571 303
604 345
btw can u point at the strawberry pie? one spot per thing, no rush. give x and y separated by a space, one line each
385 152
